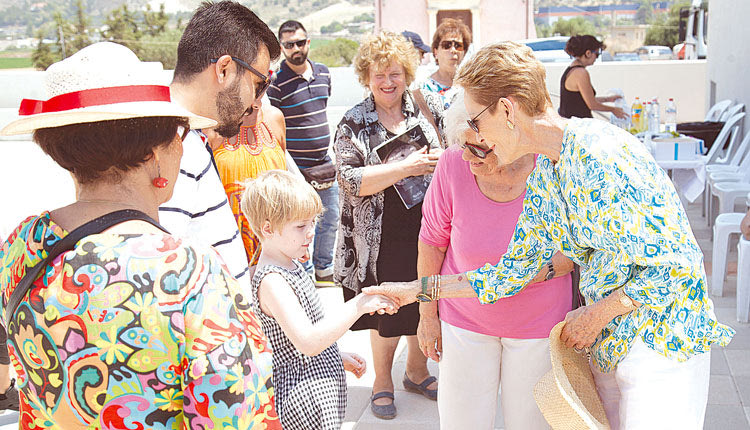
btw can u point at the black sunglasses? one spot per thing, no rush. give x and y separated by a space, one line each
447 44
472 122
260 87
289 45
477 151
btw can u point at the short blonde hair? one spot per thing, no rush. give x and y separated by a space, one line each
455 120
506 69
280 198
379 50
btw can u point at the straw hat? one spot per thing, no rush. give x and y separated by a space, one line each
567 395
101 82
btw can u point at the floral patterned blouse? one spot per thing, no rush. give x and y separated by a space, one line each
127 331
361 216
446 94
608 206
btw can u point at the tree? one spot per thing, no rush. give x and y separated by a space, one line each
154 22
43 56
332 27
573 27
80 37
337 53
161 48
122 28
664 31
645 13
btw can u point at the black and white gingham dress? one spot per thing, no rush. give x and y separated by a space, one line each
310 391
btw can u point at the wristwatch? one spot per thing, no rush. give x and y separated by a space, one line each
626 301
550 271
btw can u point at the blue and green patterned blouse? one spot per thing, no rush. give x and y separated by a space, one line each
608 206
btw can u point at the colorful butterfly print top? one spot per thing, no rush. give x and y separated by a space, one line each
608 206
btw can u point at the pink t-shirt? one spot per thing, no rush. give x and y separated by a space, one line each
476 231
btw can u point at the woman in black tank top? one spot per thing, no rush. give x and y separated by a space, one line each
577 95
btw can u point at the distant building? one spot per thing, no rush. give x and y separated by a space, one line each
626 38
550 14
489 20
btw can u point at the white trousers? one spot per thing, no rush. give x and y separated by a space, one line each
472 368
650 391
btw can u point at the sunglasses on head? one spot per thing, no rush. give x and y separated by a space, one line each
477 151
446 44
260 87
289 45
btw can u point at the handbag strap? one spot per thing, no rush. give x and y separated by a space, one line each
67 243
422 104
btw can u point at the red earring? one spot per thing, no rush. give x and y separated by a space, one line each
160 181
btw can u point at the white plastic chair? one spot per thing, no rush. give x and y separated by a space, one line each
743 280
731 126
717 109
726 225
739 107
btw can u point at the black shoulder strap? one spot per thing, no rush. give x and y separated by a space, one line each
67 243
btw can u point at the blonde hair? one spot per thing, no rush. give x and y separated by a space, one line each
455 120
506 69
379 50
280 198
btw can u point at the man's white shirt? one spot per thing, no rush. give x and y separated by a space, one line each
199 209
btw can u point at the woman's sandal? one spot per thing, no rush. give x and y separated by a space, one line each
421 388
384 412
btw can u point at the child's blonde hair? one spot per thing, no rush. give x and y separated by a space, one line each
278 197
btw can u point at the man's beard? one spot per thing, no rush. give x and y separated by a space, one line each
230 110
298 58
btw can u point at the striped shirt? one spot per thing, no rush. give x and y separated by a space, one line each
304 104
199 209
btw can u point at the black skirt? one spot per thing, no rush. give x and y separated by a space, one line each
397 261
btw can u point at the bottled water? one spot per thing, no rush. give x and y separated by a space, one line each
622 104
655 117
670 116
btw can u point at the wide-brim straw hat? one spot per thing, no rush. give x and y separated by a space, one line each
567 394
101 82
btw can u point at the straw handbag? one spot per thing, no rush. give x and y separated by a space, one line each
567 395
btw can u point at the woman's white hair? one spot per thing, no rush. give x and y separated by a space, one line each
455 120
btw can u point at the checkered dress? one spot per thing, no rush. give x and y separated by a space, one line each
310 391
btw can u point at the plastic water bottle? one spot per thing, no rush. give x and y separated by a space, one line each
655 118
636 116
670 116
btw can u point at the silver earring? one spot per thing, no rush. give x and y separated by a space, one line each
510 125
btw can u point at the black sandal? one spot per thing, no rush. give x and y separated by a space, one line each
384 412
421 388
9 400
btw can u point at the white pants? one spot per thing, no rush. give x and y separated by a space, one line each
472 368
650 391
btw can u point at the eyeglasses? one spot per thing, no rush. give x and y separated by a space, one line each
447 44
260 87
476 150
473 122
183 131
289 45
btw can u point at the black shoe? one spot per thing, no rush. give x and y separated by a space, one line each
9 400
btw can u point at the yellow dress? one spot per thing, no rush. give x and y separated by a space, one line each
243 160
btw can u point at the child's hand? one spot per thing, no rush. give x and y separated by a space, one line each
375 303
354 363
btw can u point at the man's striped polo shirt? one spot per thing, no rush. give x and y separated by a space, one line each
304 104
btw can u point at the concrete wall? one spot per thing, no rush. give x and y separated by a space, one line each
728 60
400 15
506 20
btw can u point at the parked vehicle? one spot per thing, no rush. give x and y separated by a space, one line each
627 56
549 49
653 52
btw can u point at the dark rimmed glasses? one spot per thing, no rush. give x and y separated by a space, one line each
260 87
447 44
289 45
183 131
473 122
477 151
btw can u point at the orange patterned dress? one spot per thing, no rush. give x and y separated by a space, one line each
243 160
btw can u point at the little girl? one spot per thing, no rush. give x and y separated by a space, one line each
308 370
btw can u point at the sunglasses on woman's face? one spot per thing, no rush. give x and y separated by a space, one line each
447 44
477 151
289 45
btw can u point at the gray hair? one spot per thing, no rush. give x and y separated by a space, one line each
455 120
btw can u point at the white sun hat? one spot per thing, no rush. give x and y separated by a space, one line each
567 394
101 82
